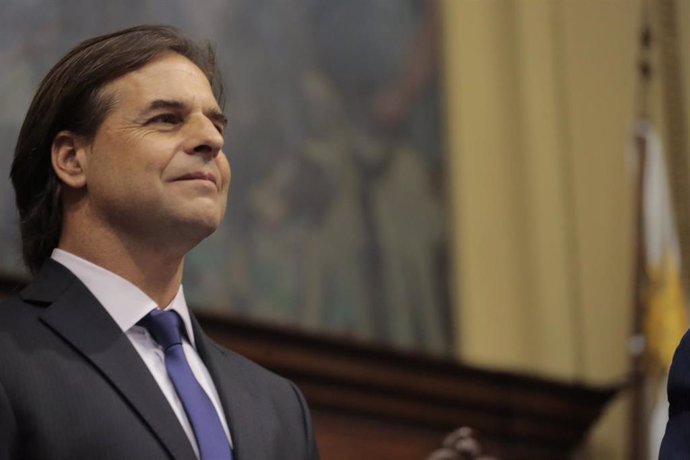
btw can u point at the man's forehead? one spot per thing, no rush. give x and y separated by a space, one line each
169 77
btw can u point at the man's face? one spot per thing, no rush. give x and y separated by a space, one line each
155 170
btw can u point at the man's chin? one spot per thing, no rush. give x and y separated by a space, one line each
201 227
190 228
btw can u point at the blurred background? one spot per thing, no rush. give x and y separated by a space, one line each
458 179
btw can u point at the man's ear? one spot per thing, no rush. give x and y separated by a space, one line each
68 156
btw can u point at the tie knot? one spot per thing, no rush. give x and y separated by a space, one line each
165 326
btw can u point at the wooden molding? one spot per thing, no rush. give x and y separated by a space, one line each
518 416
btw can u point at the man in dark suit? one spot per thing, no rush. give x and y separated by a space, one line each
118 173
676 442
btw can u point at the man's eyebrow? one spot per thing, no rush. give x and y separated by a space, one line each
213 114
217 116
165 104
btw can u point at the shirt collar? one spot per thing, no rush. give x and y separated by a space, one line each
124 302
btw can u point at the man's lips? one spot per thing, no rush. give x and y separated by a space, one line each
198 176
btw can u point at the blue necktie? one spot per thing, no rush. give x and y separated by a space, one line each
166 329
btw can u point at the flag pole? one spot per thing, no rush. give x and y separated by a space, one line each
638 432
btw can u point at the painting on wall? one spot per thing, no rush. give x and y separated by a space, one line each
336 218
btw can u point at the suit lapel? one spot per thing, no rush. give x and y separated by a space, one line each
237 399
77 317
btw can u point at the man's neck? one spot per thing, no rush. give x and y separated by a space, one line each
147 268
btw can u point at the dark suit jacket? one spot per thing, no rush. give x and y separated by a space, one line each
73 387
676 442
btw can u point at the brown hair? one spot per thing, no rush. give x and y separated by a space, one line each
69 98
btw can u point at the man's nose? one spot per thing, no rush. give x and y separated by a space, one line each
204 139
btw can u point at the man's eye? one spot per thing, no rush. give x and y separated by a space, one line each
166 118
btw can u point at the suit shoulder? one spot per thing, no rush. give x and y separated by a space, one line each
14 311
20 329
263 391
246 366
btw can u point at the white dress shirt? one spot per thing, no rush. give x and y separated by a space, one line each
127 304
